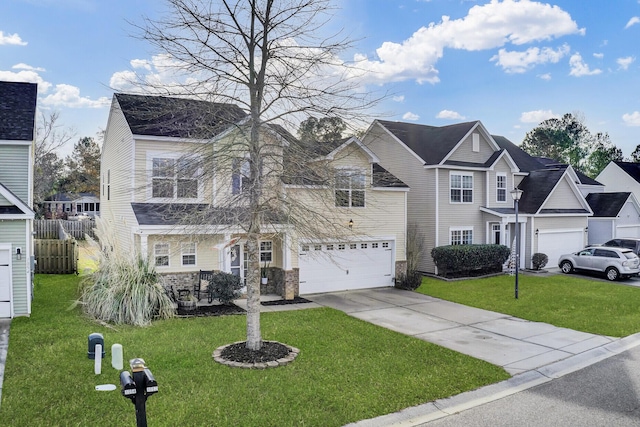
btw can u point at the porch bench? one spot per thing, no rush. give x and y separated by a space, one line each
203 286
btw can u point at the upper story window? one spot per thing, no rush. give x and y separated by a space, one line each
174 178
461 187
501 188
240 175
350 188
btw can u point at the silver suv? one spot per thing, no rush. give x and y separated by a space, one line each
616 263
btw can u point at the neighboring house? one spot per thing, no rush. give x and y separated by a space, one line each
615 214
151 207
64 205
17 129
461 178
621 177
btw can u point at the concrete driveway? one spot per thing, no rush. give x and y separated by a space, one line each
515 344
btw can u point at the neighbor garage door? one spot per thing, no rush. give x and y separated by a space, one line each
341 266
554 243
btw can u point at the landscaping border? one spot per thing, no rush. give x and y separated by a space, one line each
293 353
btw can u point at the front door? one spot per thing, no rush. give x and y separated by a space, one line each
238 261
495 232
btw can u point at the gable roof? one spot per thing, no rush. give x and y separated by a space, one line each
17 111
631 169
582 178
177 117
538 185
69 197
17 209
434 143
607 205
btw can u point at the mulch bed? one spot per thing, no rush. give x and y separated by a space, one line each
296 300
269 352
211 310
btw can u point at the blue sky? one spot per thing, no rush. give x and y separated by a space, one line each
510 64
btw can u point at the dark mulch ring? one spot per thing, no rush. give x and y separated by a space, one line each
269 352
296 300
211 310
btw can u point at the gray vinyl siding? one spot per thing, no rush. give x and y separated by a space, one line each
628 215
563 198
422 195
15 232
117 162
600 230
464 152
492 189
14 170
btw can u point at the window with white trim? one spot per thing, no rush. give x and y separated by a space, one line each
461 187
161 254
188 253
240 175
501 187
174 178
266 251
350 188
461 236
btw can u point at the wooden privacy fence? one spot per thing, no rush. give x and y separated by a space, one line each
63 229
56 256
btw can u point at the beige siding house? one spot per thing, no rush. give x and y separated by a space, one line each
461 177
17 129
189 218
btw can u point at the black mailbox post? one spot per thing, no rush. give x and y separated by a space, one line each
138 387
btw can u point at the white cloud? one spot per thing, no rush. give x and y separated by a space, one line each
22 66
399 98
140 63
449 115
633 21
519 62
486 26
579 68
13 39
545 76
537 116
410 116
624 63
69 96
632 119
598 55
28 76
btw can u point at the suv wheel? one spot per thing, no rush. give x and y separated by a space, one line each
566 267
612 273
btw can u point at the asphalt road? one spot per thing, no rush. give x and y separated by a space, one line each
604 394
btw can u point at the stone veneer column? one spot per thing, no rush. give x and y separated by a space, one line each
291 284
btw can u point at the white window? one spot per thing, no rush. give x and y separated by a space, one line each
461 187
174 177
476 142
350 189
240 175
188 254
501 187
161 254
461 236
266 251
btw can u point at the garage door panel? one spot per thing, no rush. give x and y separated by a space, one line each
347 266
5 284
555 244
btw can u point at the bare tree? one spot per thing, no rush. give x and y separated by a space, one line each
50 136
270 58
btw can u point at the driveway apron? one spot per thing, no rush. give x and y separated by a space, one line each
517 345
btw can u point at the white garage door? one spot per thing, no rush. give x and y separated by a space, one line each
341 266
628 231
554 243
5 283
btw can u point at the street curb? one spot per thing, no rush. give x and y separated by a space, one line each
421 414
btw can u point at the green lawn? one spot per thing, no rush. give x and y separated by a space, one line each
568 301
347 370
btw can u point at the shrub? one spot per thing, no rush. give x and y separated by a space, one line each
225 287
410 281
469 260
125 288
539 260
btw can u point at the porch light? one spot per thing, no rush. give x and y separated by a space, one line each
19 253
516 194
350 224
537 231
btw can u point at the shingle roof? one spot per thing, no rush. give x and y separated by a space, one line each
385 179
607 205
17 110
433 143
193 214
584 179
177 117
536 188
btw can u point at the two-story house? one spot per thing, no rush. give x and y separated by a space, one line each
173 176
461 179
17 130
